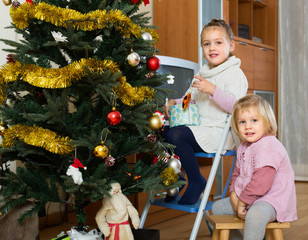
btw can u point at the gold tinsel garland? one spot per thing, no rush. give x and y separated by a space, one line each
39 137
98 19
2 93
63 77
169 176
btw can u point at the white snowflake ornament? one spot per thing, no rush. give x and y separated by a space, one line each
171 79
58 37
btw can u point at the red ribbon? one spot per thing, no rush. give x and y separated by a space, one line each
117 229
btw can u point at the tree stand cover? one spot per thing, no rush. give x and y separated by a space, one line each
149 234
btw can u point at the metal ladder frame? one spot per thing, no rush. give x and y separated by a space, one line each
204 201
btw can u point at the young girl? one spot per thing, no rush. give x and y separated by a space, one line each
215 89
262 187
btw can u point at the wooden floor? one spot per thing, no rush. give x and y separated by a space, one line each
179 228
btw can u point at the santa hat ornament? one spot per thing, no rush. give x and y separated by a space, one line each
78 164
73 170
161 116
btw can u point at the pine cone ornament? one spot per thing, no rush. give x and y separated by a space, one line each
15 4
151 138
109 161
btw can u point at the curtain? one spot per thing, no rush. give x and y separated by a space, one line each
293 83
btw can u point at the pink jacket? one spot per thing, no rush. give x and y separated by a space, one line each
268 151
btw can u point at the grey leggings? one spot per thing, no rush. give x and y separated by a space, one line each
258 215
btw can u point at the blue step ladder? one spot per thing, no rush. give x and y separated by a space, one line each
203 204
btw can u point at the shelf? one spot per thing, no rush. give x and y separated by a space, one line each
254 20
257 4
250 42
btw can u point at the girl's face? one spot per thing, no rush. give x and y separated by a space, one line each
250 125
216 45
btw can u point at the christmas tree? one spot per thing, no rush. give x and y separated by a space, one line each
79 94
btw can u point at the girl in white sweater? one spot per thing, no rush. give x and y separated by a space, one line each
215 89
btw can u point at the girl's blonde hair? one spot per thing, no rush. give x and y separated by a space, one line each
261 106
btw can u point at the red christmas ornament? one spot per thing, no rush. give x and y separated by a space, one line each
165 158
153 63
144 1
41 98
10 59
114 117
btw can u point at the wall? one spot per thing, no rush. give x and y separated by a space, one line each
148 8
5 33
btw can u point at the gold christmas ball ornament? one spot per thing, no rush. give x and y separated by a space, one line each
155 122
7 2
2 128
133 59
101 151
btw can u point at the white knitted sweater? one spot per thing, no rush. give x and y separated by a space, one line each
231 82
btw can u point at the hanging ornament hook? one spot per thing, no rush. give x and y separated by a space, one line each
104 134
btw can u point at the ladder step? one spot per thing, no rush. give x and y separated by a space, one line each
186 208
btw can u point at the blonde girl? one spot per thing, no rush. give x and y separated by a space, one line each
262 187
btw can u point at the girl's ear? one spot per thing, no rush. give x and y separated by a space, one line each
232 46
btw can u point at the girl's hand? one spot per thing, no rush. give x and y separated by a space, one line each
204 85
170 103
241 209
234 201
